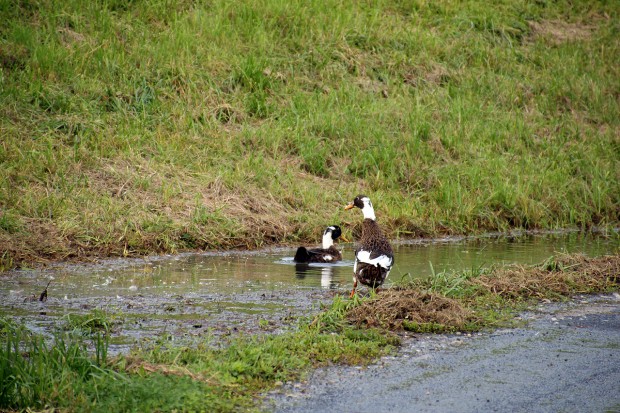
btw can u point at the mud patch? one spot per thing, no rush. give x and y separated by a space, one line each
180 319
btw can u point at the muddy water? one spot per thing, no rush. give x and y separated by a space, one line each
196 294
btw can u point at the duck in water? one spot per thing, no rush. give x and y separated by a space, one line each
327 253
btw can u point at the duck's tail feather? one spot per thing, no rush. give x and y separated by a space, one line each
302 255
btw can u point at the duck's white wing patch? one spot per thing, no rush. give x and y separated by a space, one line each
382 260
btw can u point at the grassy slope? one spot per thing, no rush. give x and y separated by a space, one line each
129 127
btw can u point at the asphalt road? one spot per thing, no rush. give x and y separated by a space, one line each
565 359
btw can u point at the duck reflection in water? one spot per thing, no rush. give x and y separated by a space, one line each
327 273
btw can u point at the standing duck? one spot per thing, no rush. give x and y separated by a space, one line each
373 256
328 252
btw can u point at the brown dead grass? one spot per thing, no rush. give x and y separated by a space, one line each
255 211
396 307
430 74
558 32
136 366
136 194
42 243
568 274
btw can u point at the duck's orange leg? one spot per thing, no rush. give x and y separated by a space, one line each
354 287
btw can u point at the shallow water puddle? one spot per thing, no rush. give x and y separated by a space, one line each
195 294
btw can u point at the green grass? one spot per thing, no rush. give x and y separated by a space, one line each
37 374
97 321
209 376
132 127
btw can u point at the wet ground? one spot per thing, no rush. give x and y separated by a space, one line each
184 297
565 359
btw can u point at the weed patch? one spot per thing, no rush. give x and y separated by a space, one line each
95 322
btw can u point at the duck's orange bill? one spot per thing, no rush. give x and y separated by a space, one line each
344 238
350 206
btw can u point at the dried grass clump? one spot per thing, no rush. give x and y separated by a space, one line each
562 276
395 309
137 366
558 32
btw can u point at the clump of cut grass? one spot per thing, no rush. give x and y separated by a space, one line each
413 310
557 277
482 298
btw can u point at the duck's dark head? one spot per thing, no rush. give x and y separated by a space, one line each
331 234
363 202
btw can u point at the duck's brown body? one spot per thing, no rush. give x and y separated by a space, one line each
374 242
374 256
